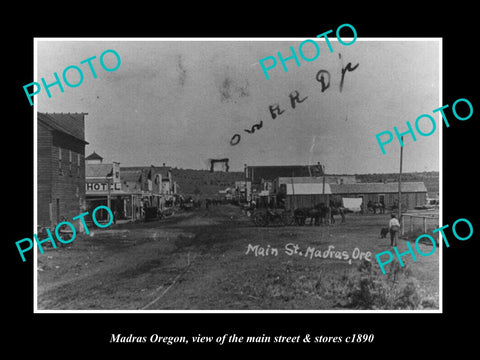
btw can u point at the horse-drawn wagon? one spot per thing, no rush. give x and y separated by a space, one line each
275 217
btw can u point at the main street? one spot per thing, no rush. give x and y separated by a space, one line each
200 260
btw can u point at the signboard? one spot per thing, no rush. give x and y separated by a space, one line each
102 187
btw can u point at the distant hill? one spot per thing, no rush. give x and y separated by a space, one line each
204 183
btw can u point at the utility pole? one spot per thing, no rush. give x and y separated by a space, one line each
108 178
323 188
245 170
400 185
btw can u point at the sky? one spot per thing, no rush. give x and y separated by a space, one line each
180 102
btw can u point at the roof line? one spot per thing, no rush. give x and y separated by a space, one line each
64 132
57 127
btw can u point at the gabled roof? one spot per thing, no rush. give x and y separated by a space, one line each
130 175
94 156
60 122
97 170
365 188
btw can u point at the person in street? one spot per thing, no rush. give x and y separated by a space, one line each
394 228
382 207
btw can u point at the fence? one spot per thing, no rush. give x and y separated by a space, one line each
413 224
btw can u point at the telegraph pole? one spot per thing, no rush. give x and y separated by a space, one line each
400 185
323 182
108 195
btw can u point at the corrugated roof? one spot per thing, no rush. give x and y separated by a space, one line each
365 188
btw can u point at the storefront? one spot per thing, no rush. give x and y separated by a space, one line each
124 204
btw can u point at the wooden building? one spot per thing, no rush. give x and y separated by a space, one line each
155 183
298 192
301 192
154 179
259 180
60 167
413 193
104 187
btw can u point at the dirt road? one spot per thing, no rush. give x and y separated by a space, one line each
209 260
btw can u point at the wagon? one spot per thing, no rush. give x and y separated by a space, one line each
277 217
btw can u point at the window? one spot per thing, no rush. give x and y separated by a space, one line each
78 165
60 171
381 198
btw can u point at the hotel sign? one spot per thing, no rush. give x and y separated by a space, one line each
102 187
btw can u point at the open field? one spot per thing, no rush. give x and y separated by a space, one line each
205 260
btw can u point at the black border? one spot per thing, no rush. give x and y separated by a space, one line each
394 333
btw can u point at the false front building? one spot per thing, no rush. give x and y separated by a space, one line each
104 185
155 183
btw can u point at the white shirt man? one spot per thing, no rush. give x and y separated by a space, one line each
393 222
394 227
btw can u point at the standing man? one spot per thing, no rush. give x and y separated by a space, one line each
394 227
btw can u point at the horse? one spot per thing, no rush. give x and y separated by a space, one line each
371 206
300 215
317 214
381 207
336 208
337 211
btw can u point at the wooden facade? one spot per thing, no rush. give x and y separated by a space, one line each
306 192
293 202
261 178
409 200
413 193
302 192
60 168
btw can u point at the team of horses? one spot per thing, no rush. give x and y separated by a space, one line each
323 214
319 214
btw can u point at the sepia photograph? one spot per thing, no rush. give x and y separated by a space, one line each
237 174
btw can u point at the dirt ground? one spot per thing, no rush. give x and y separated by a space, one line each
206 260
